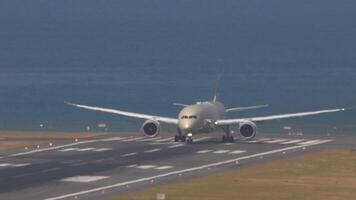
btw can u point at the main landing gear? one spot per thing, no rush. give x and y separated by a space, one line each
227 137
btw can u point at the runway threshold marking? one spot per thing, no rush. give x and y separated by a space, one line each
120 184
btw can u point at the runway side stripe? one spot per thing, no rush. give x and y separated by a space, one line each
176 145
174 173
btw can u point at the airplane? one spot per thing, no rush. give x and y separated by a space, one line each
204 117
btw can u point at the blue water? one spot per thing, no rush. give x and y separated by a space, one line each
144 55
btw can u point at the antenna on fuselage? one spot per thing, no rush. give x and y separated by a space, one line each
218 81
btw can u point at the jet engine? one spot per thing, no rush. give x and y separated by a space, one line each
248 130
151 128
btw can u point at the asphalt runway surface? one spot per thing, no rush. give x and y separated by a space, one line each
104 167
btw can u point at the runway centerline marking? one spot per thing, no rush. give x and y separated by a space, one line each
237 152
204 151
152 150
129 154
146 166
221 151
164 167
83 179
275 141
176 145
120 184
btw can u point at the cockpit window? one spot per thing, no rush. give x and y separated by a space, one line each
189 117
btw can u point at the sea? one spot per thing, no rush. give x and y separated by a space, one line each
143 56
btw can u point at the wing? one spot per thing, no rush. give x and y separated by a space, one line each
128 114
246 108
274 117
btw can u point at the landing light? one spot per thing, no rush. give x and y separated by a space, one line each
190 134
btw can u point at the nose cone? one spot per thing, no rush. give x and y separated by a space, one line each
188 126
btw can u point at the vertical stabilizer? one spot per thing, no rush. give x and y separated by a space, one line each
218 81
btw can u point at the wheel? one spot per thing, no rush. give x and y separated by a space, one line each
176 138
183 138
189 140
224 139
231 139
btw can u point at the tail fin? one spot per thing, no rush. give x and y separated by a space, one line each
218 80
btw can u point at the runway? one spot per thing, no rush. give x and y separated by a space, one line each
103 167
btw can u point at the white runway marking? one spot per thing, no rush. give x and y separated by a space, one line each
102 149
129 154
164 167
309 142
133 139
165 139
201 139
84 179
64 146
176 145
258 140
237 152
69 149
50 170
149 139
86 149
204 151
120 184
319 142
14 165
131 166
221 151
293 141
152 150
275 141
146 166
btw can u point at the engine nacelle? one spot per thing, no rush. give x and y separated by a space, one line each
248 130
151 128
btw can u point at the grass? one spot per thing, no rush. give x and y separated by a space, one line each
327 175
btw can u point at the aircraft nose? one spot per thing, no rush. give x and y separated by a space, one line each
186 125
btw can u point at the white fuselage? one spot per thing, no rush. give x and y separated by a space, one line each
199 118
